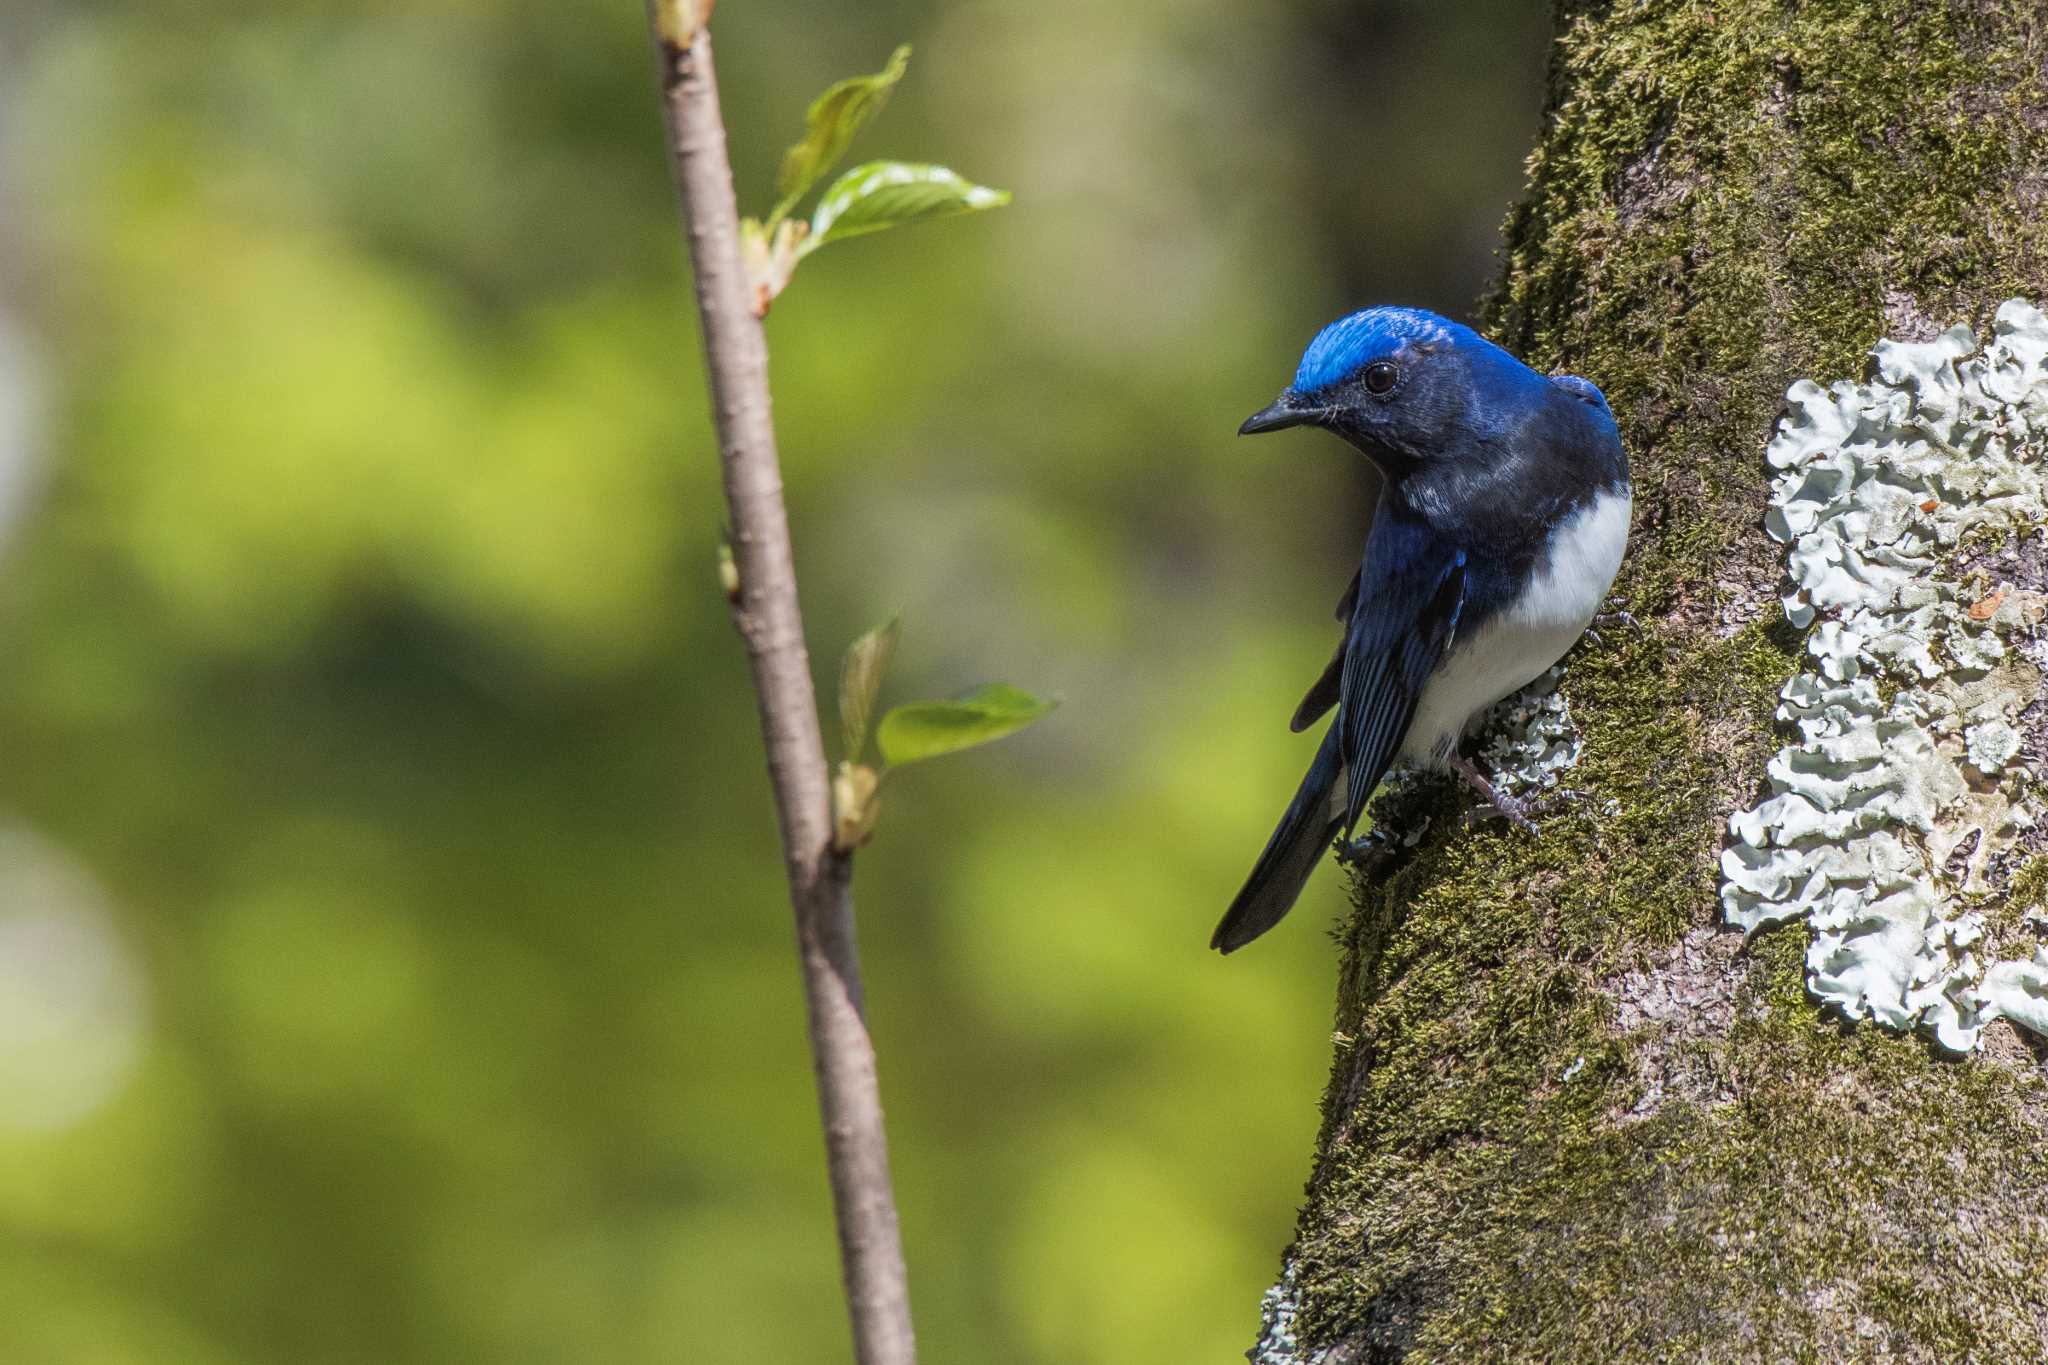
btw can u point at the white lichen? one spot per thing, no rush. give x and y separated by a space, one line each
1277 1345
1530 738
2019 991
1992 745
1906 717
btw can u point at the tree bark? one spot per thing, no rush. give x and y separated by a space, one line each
1571 1115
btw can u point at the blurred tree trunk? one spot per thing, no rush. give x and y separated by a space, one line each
1570 1117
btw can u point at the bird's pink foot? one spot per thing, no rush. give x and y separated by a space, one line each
1512 809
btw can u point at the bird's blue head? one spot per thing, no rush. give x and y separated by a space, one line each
1407 387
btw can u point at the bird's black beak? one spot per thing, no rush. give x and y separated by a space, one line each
1284 411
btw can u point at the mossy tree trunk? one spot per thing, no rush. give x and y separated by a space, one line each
1571 1116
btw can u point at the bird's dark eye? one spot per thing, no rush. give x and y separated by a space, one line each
1380 377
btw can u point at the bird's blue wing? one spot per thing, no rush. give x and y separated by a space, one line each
1323 695
1585 390
1401 615
1411 591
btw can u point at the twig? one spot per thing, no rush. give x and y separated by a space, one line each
820 887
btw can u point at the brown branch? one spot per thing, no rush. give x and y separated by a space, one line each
820 887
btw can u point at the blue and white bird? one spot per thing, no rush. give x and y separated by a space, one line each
1498 533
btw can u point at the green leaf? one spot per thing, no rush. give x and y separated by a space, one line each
926 729
886 194
829 127
860 678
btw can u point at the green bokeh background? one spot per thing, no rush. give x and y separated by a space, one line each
400 964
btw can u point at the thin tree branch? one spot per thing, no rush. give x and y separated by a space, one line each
766 611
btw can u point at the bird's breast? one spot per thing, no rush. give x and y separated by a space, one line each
1529 631
1575 568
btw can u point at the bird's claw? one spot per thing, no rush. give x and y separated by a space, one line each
1365 853
1615 615
1512 809
1522 813
1517 811
1503 807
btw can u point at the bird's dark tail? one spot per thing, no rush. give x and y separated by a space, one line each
1291 855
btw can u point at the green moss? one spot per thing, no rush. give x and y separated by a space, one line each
1728 196
2028 889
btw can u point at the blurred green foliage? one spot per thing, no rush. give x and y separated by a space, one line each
364 662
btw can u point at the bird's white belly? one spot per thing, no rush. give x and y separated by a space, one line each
1529 635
